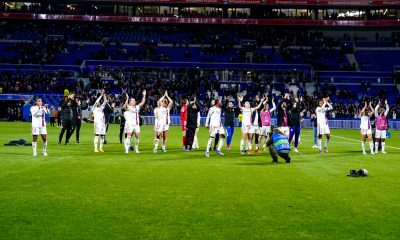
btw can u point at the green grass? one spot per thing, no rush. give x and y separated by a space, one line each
77 194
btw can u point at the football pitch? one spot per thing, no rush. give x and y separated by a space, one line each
75 193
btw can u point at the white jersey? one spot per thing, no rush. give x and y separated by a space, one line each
98 114
163 116
132 115
38 116
214 117
321 113
365 122
246 119
156 116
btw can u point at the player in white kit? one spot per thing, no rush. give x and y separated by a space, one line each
132 121
322 123
365 126
38 113
99 122
163 121
247 124
213 121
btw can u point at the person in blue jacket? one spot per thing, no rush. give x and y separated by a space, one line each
279 145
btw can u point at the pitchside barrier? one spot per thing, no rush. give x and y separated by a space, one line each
351 123
343 123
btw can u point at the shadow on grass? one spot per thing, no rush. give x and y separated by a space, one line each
266 163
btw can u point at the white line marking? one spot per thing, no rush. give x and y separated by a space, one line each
360 141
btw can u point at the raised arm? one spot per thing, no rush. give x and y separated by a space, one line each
143 99
371 108
273 105
362 112
259 105
126 101
387 108
329 106
377 107
208 117
240 99
169 100
98 99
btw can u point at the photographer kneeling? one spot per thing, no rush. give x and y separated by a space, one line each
278 145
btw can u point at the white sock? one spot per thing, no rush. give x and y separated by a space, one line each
376 146
249 144
101 142
163 146
363 145
241 145
371 146
195 142
256 146
34 146
319 144
96 139
209 144
127 143
44 146
156 141
383 146
221 142
326 143
137 144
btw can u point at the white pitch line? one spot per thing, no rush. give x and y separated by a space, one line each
354 140
360 141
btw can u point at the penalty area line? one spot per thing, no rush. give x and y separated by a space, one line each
360 141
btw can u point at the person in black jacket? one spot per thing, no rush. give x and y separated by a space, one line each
283 115
230 112
77 119
191 124
122 125
314 124
108 111
294 121
67 118
256 121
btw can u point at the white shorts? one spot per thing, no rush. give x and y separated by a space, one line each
366 131
380 134
130 128
265 130
247 129
162 128
323 129
100 128
39 130
215 130
285 130
255 129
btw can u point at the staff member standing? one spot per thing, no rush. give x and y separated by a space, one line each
230 112
67 119
77 111
278 145
52 116
294 122
191 124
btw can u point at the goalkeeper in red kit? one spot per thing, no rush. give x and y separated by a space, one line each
183 116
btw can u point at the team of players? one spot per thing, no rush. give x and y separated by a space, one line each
256 123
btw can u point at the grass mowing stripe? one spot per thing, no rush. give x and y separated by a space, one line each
75 193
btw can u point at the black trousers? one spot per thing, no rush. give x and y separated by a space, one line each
67 126
78 124
274 154
190 137
121 131
52 121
